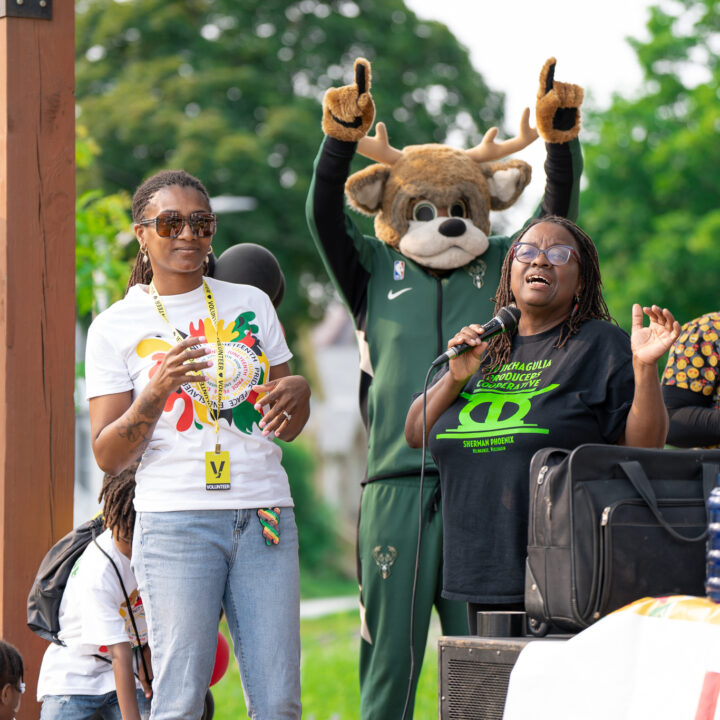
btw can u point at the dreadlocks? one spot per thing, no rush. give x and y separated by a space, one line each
117 494
142 270
590 304
11 665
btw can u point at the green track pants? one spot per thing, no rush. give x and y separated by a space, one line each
387 546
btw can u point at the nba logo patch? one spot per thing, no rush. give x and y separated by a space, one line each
399 270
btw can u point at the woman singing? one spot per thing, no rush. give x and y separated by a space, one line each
192 374
568 376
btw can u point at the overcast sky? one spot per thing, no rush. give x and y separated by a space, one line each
509 42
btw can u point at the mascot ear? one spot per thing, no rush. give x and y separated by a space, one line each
506 181
365 189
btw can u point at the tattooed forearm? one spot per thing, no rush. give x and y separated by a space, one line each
122 427
138 423
138 432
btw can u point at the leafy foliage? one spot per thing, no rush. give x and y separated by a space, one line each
651 203
231 92
101 267
315 521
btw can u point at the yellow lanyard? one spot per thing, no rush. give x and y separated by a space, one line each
220 355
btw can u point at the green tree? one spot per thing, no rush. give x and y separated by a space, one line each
315 520
102 223
231 92
652 199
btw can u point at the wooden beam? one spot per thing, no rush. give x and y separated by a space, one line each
37 310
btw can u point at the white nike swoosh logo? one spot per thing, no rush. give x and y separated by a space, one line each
397 293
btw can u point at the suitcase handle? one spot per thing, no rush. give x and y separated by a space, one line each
634 470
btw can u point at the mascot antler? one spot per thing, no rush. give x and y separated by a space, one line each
378 148
489 150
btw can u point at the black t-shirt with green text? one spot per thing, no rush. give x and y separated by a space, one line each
482 445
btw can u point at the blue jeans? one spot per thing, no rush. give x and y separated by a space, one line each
188 565
87 707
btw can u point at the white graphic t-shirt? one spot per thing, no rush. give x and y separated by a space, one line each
125 347
93 614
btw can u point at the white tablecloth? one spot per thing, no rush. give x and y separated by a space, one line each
656 659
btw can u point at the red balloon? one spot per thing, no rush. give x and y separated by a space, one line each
222 658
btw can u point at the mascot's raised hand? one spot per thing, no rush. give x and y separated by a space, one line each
349 111
557 111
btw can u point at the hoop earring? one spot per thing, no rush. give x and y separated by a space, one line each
210 250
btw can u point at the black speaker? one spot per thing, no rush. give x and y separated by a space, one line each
474 673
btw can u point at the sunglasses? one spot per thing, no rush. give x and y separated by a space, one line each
171 224
555 254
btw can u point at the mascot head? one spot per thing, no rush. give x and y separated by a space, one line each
432 202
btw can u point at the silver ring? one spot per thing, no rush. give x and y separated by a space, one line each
287 414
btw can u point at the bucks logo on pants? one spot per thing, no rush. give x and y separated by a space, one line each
384 556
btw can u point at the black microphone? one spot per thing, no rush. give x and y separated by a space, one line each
506 320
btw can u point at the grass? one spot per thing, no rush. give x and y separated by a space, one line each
324 583
329 673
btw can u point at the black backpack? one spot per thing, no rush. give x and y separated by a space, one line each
43 604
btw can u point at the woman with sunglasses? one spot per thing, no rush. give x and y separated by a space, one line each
567 376
191 374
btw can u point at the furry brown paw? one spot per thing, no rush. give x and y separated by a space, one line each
557 111
349 111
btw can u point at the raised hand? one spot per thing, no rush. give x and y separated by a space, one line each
650 343
182 364
557 111
349 111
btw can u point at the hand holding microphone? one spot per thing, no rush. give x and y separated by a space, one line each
506 320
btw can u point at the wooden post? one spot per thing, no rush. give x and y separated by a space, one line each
37 309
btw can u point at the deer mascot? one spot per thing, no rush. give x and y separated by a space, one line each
431 270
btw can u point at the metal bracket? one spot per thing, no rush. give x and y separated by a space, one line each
38 9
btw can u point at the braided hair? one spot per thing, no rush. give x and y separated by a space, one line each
590 304
117 494
11 665
142 270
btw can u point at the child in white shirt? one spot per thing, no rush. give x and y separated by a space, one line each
95 670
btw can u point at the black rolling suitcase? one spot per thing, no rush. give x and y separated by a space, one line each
610 524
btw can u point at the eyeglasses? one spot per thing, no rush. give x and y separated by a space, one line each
170 224
555 254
